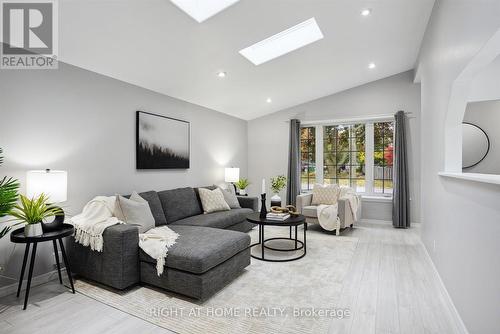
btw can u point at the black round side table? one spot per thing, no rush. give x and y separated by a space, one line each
292 222
17 236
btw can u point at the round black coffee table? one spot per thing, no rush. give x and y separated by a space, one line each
17 236
291 223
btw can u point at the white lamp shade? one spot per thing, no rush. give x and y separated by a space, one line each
53 183
232 174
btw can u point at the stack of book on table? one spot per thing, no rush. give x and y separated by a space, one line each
277 216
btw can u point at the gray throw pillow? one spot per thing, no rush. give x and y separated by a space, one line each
231 199
134 211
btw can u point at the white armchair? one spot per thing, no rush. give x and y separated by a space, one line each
310 211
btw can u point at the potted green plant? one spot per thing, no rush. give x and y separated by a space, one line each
8 197
33 211
277 184
242 184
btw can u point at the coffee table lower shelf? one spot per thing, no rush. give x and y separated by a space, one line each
297 244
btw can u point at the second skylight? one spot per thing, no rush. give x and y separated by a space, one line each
284 42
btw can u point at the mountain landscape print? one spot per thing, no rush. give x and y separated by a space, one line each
162 142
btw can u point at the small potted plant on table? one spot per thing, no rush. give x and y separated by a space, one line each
33 211
242 184
277 184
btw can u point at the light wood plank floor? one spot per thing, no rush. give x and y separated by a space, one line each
391 287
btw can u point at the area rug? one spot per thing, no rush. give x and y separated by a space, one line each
268 297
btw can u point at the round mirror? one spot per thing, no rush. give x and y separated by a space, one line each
475 145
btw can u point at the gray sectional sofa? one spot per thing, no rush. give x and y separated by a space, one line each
212 249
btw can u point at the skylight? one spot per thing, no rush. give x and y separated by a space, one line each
200 10
284 42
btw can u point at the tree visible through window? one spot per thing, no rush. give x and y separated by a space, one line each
344 155
344 150
383 157
307 157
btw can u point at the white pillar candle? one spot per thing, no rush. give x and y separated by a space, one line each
263 186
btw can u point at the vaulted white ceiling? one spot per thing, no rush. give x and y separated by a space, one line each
155 45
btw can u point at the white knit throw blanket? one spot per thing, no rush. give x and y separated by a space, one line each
353 199
156 243
96 216
354 203
328 216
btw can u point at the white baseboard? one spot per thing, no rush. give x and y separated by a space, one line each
456 316
38 280
380 221
375 221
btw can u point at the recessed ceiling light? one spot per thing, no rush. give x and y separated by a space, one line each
371 66
200 10
221 74
366 12
284 42
269 100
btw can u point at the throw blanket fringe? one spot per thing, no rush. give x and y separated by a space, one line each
156 243
354 203
96 216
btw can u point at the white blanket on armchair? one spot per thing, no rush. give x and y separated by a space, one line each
353 199
328 216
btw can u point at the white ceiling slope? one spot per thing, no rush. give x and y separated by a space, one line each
155 45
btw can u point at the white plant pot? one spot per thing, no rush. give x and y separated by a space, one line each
243 192
33 230
276 200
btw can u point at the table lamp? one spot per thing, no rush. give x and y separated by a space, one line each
54 184
232 175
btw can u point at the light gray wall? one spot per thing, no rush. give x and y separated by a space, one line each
486 115
268 135
82 122
461 218
484 86
376 209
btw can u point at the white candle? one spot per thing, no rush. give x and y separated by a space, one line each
263 186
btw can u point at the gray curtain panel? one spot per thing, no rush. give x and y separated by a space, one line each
401 197
293 185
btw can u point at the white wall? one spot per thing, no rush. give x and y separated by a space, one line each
486 115
461 218
82 122
485 85
268 135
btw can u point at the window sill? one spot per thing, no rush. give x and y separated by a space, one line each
374 198
475 177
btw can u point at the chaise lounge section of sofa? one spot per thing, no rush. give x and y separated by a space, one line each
212 249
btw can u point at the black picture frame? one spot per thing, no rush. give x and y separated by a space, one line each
162 142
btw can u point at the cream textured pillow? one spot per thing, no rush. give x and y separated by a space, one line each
134 211
213 200
325 194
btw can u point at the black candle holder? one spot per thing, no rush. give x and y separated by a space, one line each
263 210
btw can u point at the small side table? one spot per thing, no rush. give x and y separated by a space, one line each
17 236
